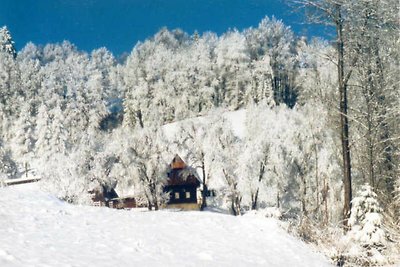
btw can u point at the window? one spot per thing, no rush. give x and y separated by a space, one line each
176 195
187 194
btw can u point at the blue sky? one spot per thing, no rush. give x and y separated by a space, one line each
120 24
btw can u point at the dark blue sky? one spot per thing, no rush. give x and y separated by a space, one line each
120 24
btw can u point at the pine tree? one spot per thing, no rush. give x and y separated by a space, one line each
8 167
6 42
366 228
24 132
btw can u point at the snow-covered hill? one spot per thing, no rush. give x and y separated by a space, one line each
39 230
235 118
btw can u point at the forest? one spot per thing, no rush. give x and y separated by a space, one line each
321 136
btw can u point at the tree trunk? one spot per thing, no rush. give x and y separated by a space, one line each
344 122
316 178
325 200
254 199
304 197
156 207
140 118
205 189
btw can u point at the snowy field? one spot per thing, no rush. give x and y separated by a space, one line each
39 230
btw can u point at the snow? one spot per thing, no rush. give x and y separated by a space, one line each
40 230
236 118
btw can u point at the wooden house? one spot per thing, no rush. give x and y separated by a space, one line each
183 186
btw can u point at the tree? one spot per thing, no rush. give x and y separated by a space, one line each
24 133
366 228
63 176
8 167
143 153
255 166
261 82
10 94
374 26
193 138
275 42
232 60
6 42
225 147
333 13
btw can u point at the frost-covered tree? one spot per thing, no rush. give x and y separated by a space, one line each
273 39
261 82
96 102
58 141
10 94
374 23
316 75
334 13
200 74
255 166
8 167
223 163
24 138
143 152
7 42
193 138
42 133
62 176
232 60
367 233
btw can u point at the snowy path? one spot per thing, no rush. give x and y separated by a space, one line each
38 230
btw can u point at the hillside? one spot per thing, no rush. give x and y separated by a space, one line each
39 230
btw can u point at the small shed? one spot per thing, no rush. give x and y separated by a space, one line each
122 203
183 186
103 196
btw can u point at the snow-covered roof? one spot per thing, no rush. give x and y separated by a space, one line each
24 180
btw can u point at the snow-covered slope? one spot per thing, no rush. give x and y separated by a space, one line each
39 230
236 118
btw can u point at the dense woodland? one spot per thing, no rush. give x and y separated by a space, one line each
322 130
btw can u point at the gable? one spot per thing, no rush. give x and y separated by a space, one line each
177 163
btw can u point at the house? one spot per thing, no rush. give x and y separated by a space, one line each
183 186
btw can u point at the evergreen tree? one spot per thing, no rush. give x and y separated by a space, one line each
24 133
366 229
8 167
6 42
